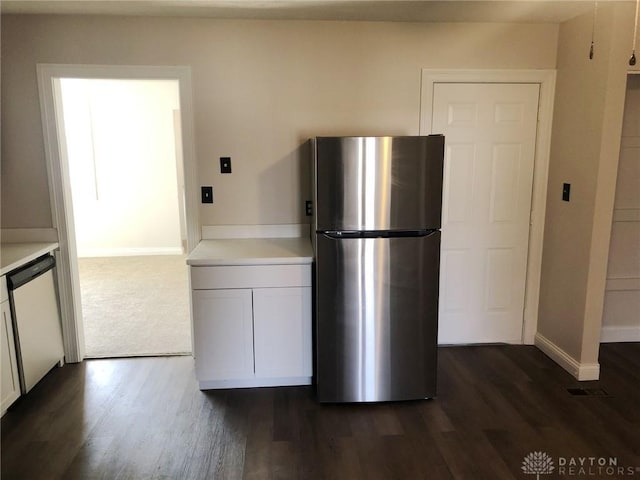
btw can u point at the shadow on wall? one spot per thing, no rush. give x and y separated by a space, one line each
288 181
296 166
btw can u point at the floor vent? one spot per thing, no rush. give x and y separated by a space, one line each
590 392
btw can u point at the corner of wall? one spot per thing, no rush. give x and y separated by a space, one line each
581 371
586 140
611 133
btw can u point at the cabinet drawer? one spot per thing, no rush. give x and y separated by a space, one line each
250 276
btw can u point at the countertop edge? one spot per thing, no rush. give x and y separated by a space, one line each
27 252
256 251
215 262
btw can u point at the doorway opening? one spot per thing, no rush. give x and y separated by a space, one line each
620 322
123 149
185 200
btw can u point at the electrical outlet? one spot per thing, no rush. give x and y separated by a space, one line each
207 194
308 208
225 164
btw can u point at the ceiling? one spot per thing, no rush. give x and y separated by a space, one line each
523 11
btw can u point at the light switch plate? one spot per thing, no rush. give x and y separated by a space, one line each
207 194
225 164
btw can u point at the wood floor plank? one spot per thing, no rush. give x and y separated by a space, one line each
421 434
146 418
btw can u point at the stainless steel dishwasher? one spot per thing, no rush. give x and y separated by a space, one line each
36 320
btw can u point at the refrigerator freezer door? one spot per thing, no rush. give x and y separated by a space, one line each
376 319
378 183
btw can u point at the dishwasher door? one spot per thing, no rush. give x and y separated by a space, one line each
36 321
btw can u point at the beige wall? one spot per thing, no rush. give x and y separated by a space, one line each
584 152
261 88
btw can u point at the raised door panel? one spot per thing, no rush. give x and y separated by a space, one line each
10 382
462 114
223 334
627 188
624 250
455 302
505 169
458 184
282 327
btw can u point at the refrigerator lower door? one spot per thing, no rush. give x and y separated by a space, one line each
376 318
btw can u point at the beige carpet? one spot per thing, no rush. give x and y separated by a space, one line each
134 306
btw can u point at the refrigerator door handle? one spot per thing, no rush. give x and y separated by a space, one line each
344 234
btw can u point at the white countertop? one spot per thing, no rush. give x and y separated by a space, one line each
252 251
13 255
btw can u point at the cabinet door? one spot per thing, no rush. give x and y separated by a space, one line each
282 326
10 381
223 334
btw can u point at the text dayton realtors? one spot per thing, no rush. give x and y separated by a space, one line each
592 466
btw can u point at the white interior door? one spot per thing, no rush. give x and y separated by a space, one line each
490 138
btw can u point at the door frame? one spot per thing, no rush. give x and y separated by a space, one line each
60 185
546 79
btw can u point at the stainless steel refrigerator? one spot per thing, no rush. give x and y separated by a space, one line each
377 254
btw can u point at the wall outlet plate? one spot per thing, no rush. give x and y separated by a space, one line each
566 191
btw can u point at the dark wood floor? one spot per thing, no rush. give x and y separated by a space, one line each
145 418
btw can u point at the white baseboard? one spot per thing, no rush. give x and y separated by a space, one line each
127 252
581 371
620 334
28 235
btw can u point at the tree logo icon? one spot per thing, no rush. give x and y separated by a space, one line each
537 463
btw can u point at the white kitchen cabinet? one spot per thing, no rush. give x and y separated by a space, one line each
251 320
223 334
10 388
252 337
282 332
